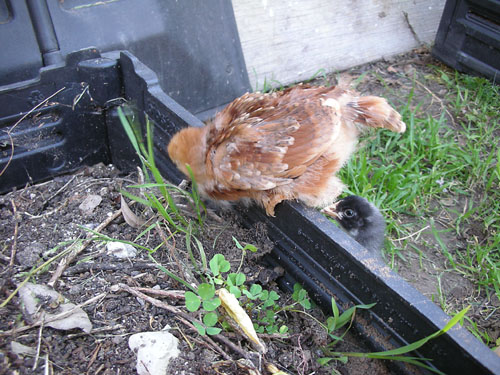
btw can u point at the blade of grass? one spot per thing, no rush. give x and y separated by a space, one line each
129 131
396 354
417 344
136 198
172 275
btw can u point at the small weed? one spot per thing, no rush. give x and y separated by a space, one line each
264 304
258 302
338 320
269 85
394 354
244 249
481 334
205 298
164 204
300 296
319 73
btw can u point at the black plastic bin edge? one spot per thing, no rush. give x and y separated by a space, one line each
304 235
319 251
466 38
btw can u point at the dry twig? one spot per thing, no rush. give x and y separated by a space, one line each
72 255
99 369
48 366
13 250
37 356
94 355
412 234
46 202
176 294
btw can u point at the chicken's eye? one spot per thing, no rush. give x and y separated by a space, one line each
349 213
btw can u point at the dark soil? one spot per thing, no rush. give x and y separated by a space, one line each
38 218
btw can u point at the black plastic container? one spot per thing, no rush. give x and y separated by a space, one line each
193 46
468 38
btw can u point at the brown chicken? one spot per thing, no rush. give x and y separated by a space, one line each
282 145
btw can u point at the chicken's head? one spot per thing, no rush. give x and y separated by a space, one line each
188 146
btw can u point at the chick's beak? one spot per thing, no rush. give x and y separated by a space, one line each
331 211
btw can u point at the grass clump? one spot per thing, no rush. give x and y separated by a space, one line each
163 203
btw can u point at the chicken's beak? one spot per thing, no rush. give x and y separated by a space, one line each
331 211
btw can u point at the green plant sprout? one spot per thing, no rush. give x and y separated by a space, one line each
243 249
165 205
205 297
393 354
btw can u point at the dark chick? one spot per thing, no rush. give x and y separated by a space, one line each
361 220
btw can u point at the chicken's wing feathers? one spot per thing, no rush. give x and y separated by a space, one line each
261 141
249 156
374 112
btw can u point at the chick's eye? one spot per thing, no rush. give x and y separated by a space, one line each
349 213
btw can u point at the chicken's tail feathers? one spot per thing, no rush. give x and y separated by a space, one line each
375 112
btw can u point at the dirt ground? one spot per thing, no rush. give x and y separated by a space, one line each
35 220
49 213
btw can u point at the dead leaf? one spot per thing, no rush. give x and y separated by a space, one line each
391 69
89 204
22 350
35 296
241 318
130 218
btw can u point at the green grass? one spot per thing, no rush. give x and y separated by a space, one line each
439 164
163 202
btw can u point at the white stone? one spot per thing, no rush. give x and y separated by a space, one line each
154 351
121 250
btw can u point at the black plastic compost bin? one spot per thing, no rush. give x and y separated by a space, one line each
468 38
58 111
